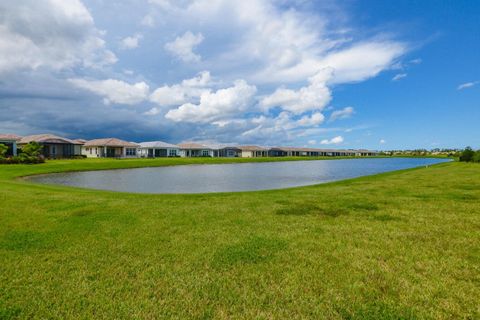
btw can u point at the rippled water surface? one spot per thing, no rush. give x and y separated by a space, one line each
230 177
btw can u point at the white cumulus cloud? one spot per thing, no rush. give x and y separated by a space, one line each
131 42
283 46
336 140
314 120
114 90
218 105
49 33
315 96
182 47
187 91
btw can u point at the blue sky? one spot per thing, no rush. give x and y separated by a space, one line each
346 74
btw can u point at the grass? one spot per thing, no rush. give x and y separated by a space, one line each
400 245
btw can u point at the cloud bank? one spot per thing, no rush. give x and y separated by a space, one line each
254 71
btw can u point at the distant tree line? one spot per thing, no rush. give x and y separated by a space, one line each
29 153
469 155
453 153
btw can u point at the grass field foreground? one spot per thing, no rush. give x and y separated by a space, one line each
400 245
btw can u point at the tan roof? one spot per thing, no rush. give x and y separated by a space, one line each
299 149
192 145
46 138
231 148
293 149
10 137
109 142
252 148
80 141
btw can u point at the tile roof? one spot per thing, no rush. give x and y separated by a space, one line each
10 137
157 144
109 142
193 146
46 138
252 148
80 141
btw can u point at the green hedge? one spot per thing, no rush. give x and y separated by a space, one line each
22 160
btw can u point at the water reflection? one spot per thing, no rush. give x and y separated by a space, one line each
230 177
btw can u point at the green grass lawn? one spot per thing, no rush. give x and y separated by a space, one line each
401 245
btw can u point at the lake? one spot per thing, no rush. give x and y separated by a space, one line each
230 177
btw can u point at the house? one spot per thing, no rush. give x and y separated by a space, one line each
253 151
109 148
190 149
230 152
366 153
315 152
155 149
10 140
78 145
53 146
276 152
295 152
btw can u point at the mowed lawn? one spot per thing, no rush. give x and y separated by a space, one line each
401 245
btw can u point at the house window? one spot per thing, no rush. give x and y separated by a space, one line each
172 153
131 152
54 149
205 153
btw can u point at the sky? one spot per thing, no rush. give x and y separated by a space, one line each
340 74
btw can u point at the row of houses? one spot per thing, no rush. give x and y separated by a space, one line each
59 147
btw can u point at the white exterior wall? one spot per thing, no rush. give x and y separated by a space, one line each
183 152
100 152
142 152
92 152
247 154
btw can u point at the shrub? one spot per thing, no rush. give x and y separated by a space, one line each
467 155
32 149
30 154
476 156
3 150
19 160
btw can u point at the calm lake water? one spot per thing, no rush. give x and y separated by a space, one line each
230 177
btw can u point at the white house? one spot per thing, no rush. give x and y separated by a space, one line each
109 148
253 151
197 150
155 149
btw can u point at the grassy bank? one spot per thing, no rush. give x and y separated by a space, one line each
396 245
